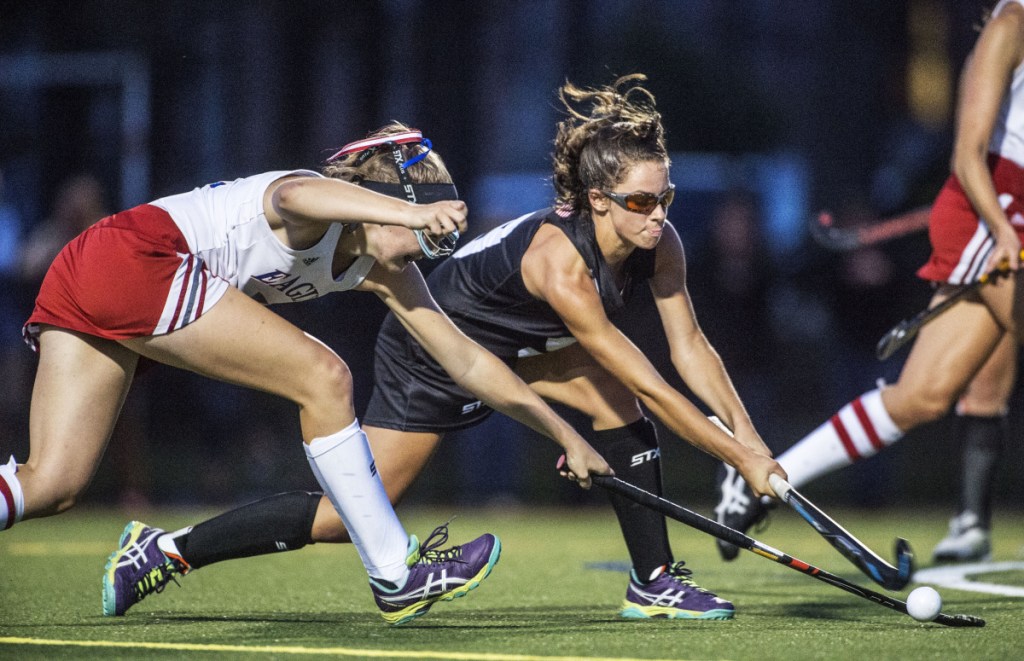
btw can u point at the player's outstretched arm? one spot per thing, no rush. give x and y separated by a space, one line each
477 370
558 276
693 357
313 200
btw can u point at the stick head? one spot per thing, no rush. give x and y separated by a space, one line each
904 566
894 340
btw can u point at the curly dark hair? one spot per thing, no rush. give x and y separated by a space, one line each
607 131
380 167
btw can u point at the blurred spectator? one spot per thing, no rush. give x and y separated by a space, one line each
868 296
79 204
729 282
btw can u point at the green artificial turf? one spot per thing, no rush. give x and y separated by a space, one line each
554 594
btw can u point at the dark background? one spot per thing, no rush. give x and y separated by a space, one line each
773 109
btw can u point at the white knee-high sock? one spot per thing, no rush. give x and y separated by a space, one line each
344 467
12 498
859 430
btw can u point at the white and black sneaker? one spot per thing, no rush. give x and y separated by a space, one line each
967 541
738 507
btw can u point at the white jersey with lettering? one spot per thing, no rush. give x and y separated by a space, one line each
226 225
1008 132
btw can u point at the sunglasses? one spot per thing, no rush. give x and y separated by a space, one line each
436 247
643 202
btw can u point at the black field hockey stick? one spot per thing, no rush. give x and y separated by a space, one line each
715 529
903 332
866 560
844 239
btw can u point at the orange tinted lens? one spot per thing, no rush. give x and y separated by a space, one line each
641 202
667 197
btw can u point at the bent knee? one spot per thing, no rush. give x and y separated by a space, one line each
49 492
921 407
323 377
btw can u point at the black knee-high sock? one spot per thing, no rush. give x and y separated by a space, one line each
632 451
983 444
279 523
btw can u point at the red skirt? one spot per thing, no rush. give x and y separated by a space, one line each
961 242
129 275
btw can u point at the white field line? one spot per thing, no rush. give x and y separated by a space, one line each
957 577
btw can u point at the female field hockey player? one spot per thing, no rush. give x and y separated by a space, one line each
190 272
976 225
541 292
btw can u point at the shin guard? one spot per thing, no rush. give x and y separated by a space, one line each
633 453
279 523
982 447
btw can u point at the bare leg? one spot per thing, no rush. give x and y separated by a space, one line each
946 355
80 386
989 392
241 342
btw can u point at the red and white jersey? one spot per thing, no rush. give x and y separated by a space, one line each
1008 133
226 225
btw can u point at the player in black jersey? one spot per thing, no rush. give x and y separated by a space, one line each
541 293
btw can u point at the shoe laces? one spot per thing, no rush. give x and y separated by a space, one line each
683 575
155 580
430 553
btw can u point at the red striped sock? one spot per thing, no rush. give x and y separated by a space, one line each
859 430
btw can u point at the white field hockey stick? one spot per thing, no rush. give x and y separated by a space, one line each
854 550
866 560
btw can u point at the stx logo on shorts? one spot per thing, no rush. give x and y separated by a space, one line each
644 457
288 285
469 408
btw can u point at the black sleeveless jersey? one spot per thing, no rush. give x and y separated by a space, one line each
481 286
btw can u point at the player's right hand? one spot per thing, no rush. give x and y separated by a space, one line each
582 461
755 470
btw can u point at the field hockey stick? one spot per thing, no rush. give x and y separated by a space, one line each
844 239
880 571
854 550
715 529
906 330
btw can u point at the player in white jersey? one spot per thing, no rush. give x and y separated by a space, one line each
976 225
175 281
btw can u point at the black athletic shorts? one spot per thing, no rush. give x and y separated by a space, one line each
412 392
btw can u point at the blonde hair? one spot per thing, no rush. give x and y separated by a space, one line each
613 130
381 167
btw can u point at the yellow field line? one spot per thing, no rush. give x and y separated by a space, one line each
64 548
323 651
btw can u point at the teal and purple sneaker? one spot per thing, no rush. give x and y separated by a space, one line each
435 575
673 594
137 569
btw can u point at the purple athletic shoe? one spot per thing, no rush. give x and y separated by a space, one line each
136 570
673 594
435 575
